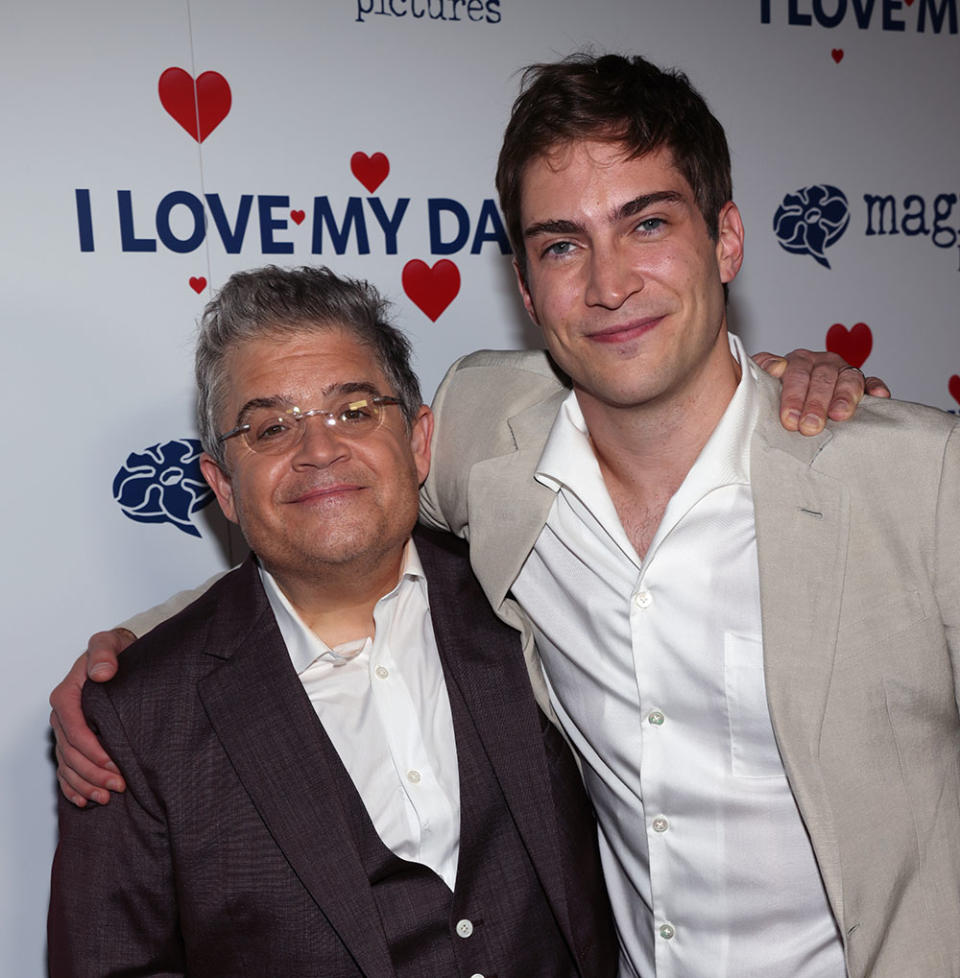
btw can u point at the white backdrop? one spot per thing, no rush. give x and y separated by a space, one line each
117 221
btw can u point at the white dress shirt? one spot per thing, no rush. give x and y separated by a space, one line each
655 668
383 703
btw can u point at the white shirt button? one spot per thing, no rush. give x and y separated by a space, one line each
413 777
656 718
660 824
666 932
477 975
382 672
643 599
464 928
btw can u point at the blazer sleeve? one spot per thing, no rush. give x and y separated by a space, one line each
145 621
947 558
113 908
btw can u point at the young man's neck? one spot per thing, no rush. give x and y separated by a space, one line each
645 451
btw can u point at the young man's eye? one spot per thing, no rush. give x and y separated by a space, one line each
559 248
650 224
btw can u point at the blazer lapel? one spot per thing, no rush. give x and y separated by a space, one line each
802 525
272 736
507 503
483 658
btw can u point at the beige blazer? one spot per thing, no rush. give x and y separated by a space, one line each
858 538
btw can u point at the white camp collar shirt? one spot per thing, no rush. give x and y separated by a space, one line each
655 669
383 703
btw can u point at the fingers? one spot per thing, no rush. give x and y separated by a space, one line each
816 386
877 388
84 770
80 779
102 651
771 363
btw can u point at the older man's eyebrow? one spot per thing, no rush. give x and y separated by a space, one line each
641 203
283 402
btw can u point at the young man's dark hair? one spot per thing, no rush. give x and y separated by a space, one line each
620 100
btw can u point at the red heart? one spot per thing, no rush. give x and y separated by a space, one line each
198 284
854 345
371 171
204 103
909 3
297 217
431 289
837 55
954 387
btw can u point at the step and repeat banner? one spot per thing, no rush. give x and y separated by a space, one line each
152 148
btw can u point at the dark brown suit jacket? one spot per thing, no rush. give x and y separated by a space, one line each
230 855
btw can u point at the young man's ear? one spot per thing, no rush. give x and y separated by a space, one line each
219 482
525 292
729 242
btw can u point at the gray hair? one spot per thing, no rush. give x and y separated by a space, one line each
274 302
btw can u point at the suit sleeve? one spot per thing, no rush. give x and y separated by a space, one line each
113 908
947 544
145 621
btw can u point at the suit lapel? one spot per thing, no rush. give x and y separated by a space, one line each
272 736
507 503
483 658
802 525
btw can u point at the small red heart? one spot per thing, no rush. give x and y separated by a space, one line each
198 284
431 289
909 3
837 55
854 345
954 387
371 171
297 216
204 103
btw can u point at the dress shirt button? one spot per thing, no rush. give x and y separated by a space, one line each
660 824
643 599
667 932
464 928
413 777
382 672
656 718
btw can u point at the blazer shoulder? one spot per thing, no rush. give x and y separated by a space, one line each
193 640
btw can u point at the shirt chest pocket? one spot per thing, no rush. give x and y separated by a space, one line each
753 747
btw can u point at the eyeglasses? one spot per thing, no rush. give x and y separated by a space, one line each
269 433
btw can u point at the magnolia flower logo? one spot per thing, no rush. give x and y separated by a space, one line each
163 484
810 220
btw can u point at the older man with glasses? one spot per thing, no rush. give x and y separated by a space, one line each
334 761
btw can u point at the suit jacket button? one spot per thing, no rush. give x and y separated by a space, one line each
464 928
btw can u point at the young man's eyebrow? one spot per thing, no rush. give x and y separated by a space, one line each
644 201
631 207
552 227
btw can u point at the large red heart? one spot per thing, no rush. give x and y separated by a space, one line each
837 55
371 171
198 284
954 387
853 344
204 103
431 289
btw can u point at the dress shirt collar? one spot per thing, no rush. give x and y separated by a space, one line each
304 646
568 462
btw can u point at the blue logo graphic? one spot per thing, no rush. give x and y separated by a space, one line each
810 220
163 484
